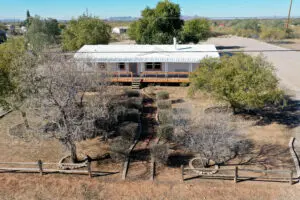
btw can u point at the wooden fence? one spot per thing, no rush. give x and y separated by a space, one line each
43 168
233 174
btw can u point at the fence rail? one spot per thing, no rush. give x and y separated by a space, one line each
235 174
40 168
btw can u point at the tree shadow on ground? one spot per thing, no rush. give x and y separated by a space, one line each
178 159
281 42
140 155
176 101
228 47
288 115
221 48
268 156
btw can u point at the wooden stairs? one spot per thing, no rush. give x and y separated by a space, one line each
136 83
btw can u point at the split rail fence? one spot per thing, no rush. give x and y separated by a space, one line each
234 174
43 168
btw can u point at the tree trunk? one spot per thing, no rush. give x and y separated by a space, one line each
24 116
73 152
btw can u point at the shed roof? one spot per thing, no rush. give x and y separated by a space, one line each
146 53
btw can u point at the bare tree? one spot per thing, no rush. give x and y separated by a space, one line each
72 98
212 136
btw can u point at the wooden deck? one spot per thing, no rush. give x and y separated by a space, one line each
152 77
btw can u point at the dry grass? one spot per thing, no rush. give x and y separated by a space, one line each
26 149
21 186
272 139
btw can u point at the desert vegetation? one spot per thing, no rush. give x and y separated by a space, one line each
243 81
266 29
233 114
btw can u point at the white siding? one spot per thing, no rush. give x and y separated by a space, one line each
178 67
172 67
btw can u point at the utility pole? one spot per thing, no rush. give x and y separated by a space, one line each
289 16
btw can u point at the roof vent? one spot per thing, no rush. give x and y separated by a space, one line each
175 42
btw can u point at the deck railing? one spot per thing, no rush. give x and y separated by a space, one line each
122 76
152 76
168 77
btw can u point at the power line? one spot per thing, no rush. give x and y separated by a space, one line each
217 51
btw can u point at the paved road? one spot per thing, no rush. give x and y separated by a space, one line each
286 63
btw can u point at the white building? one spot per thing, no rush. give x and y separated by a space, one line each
120 30
142 60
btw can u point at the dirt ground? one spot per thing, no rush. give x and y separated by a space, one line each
271 140
22 186
289 43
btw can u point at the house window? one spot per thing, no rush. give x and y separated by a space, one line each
153 66
121 66
101 66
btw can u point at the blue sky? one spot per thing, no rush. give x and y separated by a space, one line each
66 9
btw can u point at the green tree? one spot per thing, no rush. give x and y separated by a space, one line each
158 25
195 30
132 31
85 30
42 33
10 51
27 21
2 27
245 82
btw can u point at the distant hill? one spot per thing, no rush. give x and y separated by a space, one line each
122 19
10 20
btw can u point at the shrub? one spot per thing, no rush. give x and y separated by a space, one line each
166 131
132 115
133 103
119 149
271 34
245 82
165 117
164 104
128 130
159 153
132 93
162 95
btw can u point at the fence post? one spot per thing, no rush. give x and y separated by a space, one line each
152 170
89 167
236 174
291 177
40 165
182 173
